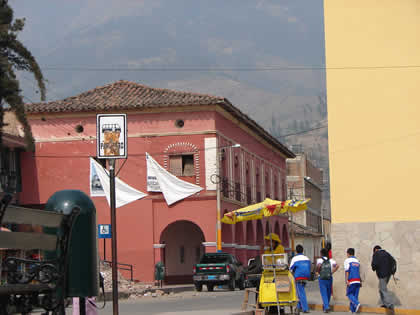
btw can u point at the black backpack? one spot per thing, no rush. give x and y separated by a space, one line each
393 265
325 270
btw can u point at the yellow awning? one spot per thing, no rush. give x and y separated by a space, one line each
267 208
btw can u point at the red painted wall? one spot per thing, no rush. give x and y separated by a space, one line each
61 161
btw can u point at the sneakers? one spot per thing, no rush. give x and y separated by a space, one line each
357 308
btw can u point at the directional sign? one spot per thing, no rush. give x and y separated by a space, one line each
104 230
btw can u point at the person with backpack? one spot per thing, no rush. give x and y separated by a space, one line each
353 281
301 268
325 267
385 266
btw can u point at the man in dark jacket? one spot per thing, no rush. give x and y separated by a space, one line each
385 266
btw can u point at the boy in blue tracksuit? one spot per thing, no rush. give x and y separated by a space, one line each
352 270
301 268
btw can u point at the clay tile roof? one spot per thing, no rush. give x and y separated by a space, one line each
123 95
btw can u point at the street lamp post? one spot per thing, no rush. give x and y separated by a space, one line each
218 198
218 201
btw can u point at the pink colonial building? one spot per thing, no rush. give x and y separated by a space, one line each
185 133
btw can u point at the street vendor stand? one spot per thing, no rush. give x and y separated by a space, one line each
277 285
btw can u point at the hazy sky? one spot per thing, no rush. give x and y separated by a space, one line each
158 34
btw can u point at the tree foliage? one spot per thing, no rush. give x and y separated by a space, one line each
14 56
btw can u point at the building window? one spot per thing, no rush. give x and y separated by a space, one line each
182 254
182 165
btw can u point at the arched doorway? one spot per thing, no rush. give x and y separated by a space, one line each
239 240
285 237
267 228
184 247
277 229
227 237
260 234
250 240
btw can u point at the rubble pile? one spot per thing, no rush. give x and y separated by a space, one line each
133 288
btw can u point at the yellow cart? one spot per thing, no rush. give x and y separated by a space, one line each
277 291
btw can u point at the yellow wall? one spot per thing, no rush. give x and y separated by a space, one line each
374 114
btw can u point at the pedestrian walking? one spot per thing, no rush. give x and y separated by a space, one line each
353 281
325 268
385 266
301 268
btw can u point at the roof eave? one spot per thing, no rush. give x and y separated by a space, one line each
251 123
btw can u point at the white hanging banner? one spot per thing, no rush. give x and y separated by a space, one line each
152 181
96 189
124 193
173 188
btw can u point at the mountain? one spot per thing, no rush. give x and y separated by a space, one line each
240 49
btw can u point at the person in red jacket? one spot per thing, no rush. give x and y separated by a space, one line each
329 250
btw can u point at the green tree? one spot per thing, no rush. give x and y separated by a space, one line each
14 56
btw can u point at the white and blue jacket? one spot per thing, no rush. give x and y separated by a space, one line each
301 267
352 266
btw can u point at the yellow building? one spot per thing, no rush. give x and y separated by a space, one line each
373 90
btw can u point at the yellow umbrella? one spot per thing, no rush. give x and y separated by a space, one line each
267 208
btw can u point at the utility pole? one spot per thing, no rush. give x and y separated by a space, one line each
218 201
112 144
114 237
292 232
218 197
322 228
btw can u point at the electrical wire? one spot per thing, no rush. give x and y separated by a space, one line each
67 130
222 68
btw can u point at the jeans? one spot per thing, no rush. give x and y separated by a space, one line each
303 303
384 294
325 287
353 295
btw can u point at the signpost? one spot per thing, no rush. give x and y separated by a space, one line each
104 232
111 130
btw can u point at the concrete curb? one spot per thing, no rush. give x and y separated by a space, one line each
367 309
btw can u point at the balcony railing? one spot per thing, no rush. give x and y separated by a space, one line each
225 187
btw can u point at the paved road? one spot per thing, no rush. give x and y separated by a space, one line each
223 302
203 303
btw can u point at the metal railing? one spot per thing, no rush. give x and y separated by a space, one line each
128 267
225 187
